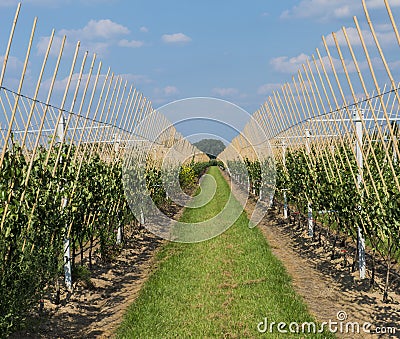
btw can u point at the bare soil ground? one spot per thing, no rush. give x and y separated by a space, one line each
96 312
328 287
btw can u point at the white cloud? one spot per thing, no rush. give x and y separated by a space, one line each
225 92
12 3
381 4
13 63
130 43
134 79
163 95
321 9
384 27
13 71
384 36
284 64
170 90
55 46
137 79
342 12
324 10
268 88
394 65
176 38
8 3
96 36
52 3
60 84
99 47
97 29
353 36
96 2
144 29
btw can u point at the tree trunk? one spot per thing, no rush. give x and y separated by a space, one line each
333 248
81 249
73 251
353 267
387 280
372 280
90 252
58 294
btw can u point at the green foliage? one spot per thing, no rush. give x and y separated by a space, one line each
329 181
35 223
258 176
212 147
82 274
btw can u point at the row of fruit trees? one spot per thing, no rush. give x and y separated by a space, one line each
335 150
62 191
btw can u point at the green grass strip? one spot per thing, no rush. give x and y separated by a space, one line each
220 288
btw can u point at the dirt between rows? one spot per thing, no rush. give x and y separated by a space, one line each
326 287
96 311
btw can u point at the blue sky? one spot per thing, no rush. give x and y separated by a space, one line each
238 51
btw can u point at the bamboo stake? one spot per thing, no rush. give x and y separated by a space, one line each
325 130
21 82
334 129
71 110
360 143
389 74
380 98
389 10
116 113
338 110
60 116
51 144
102 109
10 39
318 142
38 87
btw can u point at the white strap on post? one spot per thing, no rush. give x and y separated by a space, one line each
119 235
309 208
60 129
67 264
141 217
358 116
117 142
285 203
67 256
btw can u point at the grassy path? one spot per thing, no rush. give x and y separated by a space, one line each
221 288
